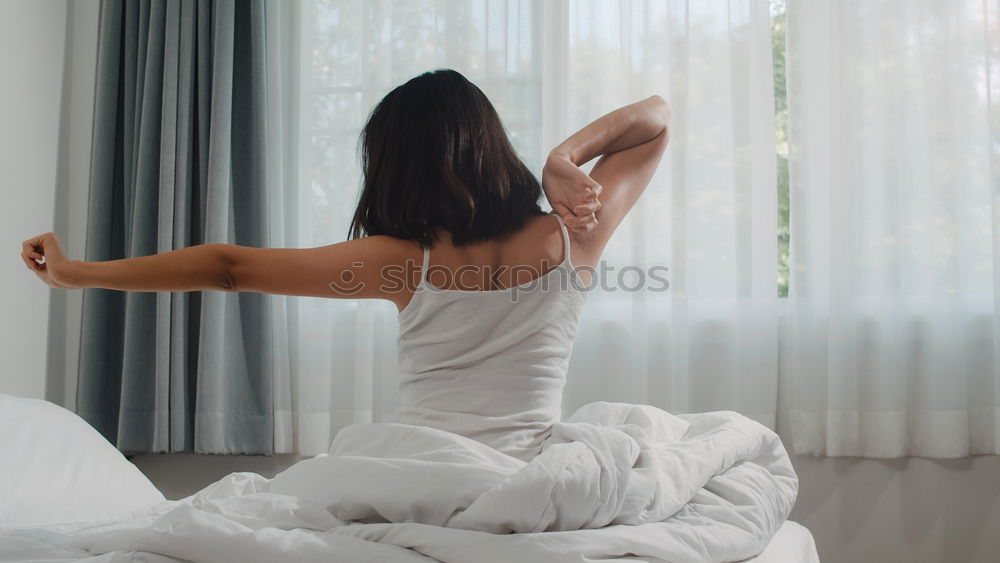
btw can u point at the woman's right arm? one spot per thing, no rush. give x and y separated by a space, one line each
630 142
374 267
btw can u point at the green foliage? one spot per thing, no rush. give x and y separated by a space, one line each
781 139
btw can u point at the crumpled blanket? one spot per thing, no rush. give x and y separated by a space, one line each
612 481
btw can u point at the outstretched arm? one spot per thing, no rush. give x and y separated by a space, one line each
372 267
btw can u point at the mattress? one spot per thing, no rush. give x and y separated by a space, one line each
792 544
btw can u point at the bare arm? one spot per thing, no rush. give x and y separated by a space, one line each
372 267
188 269
619 130
630 142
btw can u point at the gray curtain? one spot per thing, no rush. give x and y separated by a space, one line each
178 159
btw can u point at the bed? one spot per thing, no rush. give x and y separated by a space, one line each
71 496
792 544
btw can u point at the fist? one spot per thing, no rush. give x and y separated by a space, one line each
571 193
44 256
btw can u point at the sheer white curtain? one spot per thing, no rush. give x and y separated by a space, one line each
708 341
709 215
894 139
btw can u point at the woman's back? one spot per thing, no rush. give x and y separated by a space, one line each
485 340
500 262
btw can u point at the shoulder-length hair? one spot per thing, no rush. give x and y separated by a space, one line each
434 154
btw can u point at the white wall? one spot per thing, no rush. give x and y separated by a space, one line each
72 187
32 44
859 510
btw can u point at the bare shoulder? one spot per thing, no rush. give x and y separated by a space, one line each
542 239
392 263
389 250
549 243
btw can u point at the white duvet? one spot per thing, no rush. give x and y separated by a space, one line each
613 481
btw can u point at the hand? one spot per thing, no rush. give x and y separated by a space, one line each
571 193
44 256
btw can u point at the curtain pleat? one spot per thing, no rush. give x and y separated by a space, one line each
179 159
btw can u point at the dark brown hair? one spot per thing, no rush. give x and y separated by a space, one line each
434 154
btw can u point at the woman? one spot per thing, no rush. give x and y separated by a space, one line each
449 229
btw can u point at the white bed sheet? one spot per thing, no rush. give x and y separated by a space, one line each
792 544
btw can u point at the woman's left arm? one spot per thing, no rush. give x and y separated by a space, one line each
371 267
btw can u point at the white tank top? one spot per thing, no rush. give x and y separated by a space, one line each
490 364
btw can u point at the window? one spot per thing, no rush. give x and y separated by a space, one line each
360 50
781 138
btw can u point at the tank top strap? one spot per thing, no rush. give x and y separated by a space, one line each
427 261
565 235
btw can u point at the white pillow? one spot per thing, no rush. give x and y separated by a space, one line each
55 468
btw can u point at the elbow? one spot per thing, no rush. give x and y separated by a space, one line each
663 138
662 111
224 272
226 282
